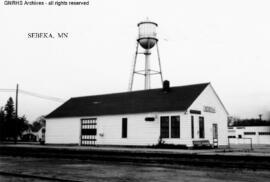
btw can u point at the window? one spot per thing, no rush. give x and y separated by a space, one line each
264 133
175 127
149 119
249 133
201 127
192 126
164 126
170 127
124 127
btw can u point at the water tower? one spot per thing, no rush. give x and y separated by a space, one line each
147 39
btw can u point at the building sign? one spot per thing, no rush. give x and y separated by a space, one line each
209 109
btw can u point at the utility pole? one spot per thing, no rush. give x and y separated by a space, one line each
17 92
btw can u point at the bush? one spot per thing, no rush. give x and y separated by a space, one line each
162 145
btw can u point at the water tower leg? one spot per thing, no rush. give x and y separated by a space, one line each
133 68
147 69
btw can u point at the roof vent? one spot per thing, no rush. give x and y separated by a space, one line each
166 86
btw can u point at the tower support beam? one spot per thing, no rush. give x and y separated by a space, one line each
147 69
147 72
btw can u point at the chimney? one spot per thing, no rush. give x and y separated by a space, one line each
166 86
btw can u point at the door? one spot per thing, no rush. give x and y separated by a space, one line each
215 135
88 131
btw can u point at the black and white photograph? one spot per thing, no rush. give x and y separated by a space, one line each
137 90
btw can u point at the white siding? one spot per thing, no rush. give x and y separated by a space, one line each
62 131
209 98
109 130
140 132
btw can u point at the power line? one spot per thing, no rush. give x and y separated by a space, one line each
37 95
7 90
41 96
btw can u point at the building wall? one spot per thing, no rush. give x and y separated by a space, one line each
62 131
209 98
109 129
139 131
258 134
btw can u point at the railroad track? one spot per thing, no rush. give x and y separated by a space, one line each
142 158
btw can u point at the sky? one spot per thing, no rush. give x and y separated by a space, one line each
226 43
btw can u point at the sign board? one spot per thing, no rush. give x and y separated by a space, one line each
209 109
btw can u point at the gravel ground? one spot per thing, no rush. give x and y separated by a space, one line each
52 169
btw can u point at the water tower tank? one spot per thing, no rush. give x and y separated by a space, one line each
147 34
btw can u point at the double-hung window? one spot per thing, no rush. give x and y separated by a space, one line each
170 127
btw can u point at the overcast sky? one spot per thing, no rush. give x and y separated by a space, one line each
226 43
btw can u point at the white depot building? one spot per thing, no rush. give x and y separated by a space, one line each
183 115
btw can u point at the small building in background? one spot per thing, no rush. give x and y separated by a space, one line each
31 136
247 134
186 115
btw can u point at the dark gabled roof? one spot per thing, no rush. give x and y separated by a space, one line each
153 100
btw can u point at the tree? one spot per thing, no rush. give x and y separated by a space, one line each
2 124
14 125
11 126
9 108
251 122
38 124
22 125
10 120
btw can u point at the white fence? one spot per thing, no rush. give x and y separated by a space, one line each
240 143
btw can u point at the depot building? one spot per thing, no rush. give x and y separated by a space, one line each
182 115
